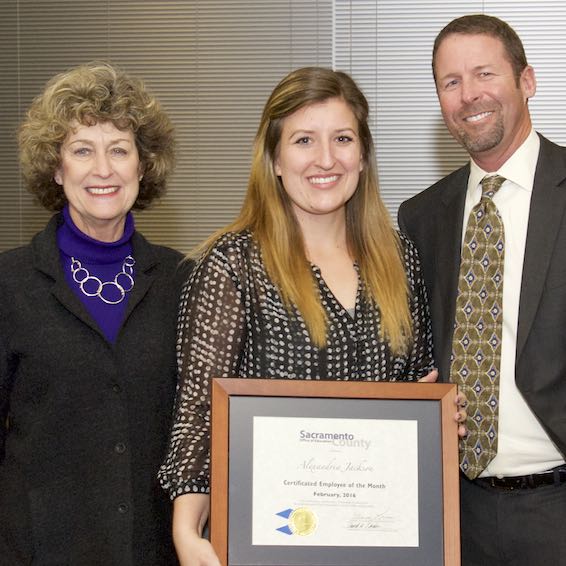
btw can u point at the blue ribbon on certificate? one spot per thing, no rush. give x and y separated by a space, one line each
285 514
302 521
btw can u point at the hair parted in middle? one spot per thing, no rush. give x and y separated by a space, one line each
268 214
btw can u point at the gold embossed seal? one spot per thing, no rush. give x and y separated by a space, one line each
302 521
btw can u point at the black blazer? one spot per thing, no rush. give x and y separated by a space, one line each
433 220
84 424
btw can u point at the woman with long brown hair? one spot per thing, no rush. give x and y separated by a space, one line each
311 281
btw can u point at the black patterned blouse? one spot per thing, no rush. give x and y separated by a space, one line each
233 323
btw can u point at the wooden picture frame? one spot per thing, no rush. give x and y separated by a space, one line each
398 400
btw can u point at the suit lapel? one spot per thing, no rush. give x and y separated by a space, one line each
64 294
448 242
46 258
548 203
146 271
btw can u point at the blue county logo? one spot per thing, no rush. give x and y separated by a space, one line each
301 521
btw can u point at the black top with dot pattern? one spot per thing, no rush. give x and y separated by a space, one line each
233 323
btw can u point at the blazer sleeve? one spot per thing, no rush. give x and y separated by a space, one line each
4 396
7 371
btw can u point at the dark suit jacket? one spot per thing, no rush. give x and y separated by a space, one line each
433 220
84 424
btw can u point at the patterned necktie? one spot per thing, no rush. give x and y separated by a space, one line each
476 347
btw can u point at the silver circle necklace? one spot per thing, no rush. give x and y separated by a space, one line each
92 286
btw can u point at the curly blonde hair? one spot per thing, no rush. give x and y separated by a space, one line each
89 94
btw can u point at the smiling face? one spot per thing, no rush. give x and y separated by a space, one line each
319 158
483 105
100 174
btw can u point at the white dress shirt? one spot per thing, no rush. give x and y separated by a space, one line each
523 445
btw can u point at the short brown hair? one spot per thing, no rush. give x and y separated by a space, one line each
96 92
477 24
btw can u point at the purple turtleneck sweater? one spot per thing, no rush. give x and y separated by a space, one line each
103 260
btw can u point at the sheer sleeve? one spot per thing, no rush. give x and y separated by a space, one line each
211 328
420 359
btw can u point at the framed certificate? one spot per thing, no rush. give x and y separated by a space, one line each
334 473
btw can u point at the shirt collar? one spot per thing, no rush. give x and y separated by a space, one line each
519 168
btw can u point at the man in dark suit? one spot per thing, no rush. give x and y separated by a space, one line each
514 513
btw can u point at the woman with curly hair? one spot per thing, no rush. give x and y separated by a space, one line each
87 332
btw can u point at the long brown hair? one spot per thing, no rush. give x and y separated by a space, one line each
268 214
